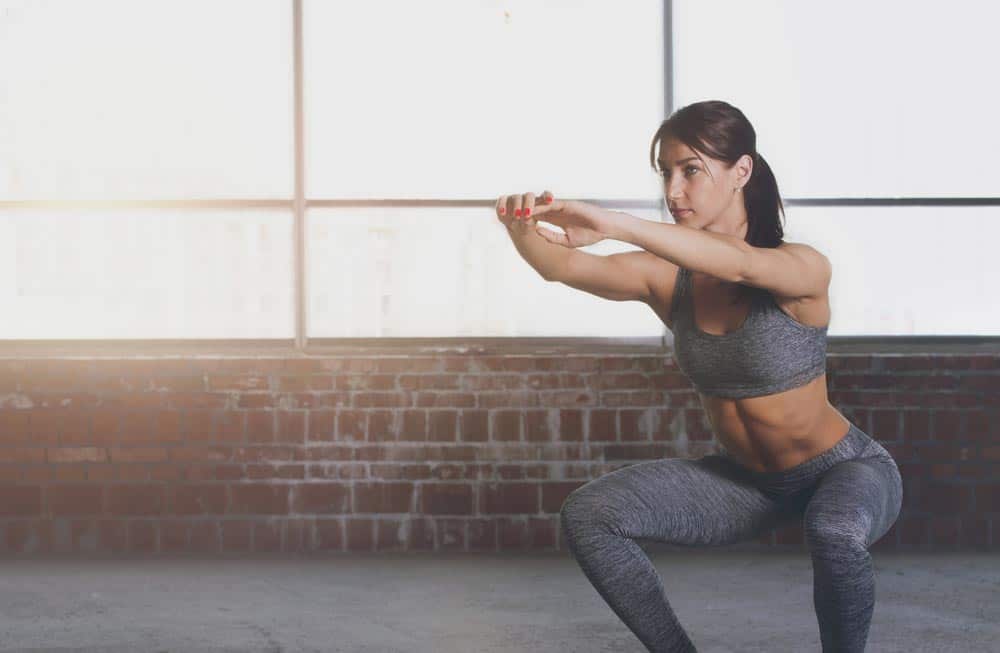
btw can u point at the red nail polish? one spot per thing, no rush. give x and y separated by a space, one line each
503 211
517 212
527 212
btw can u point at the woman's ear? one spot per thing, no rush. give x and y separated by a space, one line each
746 169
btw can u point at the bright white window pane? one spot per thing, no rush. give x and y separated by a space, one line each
107 99
906 270
852 98
141 274
446 272
459 99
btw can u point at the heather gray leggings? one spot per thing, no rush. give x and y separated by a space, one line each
847 498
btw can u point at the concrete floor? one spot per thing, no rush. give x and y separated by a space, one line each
442 603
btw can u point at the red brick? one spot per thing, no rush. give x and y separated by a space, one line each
983 426
112 535
975 531
537 427
260 426
237 535
22 455
196 499
321 425
69 473
360 533
175 535
916 425
885 424
352 425
20 500
442 426
76 454
266 535
291 426
947 499
383 497
132 499
390 534
75 499
944 532
542 533
482 534
446 498
506 425
230 426
381 426
602 425
137 454
508 498
947 425
329 535
298 534
988 498
258 498
204 536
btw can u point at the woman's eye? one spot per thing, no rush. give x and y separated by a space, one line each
666 173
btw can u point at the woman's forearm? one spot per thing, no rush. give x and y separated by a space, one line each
549 259
719 255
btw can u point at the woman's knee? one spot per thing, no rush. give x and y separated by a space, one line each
576 516
857 509
598 506
581 504
836 534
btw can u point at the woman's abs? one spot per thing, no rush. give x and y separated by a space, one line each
769 434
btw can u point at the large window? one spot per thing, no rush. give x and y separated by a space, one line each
306 169
402 121
126 100
448 272
881 131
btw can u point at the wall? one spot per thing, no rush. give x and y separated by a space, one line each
407 453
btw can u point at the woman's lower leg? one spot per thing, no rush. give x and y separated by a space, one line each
627 580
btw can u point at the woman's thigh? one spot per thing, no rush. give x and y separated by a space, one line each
706 501
856 500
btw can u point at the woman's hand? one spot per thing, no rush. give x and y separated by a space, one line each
581 224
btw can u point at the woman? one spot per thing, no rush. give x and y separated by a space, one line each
749 314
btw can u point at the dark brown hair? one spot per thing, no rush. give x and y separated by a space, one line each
722 132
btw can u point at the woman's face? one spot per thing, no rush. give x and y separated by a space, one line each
703 186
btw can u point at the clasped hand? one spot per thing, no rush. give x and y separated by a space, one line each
583 223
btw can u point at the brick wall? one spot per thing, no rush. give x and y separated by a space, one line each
408 453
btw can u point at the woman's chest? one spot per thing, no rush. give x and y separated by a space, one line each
716 308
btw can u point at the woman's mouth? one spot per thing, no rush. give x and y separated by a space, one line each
680 212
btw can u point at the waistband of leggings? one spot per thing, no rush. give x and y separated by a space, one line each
849 446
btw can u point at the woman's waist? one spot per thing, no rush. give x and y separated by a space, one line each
764 448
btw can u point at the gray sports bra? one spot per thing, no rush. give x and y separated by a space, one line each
768 353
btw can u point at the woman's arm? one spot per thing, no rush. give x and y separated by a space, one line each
719 255
547 258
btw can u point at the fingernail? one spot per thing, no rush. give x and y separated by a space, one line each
527 212
517 212
503 211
